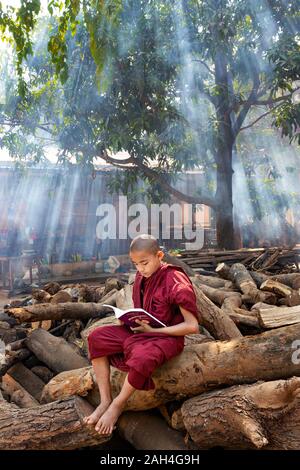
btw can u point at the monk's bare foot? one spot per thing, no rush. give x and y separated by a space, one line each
106 423
97 413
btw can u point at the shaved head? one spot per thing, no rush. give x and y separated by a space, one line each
146 243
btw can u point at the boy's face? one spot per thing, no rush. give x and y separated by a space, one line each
146 263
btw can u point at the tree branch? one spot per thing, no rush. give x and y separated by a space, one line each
260 117
152 174
271 100
243 113
205 65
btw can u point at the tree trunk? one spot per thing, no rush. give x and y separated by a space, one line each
55 426
264 415
224 142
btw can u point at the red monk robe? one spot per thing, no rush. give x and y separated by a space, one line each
140 354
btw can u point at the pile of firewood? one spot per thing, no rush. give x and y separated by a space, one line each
276 260
235 385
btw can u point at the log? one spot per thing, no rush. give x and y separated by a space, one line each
25 377
215 295
124 297
245 283
258 278
223 270
277 287
15 345
213 318
264 415
61 297
17 393
240 319
112 283
231 306
215 282
52 287
278 316
167 258
66 384
7 334
55 352
261 305
291 279
54 426
41 295
196 338
147 431
109 298
231 302
203 367
40 312
43 373
12 358
293 299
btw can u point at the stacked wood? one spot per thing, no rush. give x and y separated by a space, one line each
201 367
249 331
275 260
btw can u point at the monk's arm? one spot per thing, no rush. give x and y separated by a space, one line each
188 326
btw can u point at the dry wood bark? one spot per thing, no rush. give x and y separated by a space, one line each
178 262
223 270
263 415
291 279
147 431
245 283
40 312
215 282
43 373
25 377
12 358
213 318
41 295
66 384
54 426
217 296
277 287
17 393
55 352
61 297
278 316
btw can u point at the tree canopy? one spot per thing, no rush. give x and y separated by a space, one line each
173 84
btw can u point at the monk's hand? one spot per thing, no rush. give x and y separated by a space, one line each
143 328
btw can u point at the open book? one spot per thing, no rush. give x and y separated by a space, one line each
129 316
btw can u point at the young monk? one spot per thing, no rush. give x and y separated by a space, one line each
164 291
